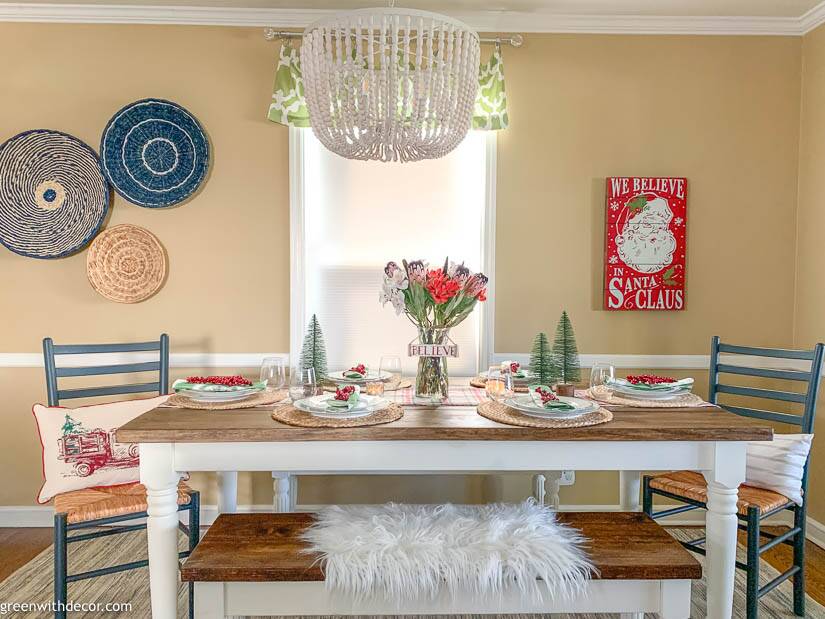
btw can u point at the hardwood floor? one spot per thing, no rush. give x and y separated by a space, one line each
19 546
781 558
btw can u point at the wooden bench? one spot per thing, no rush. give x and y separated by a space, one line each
252 564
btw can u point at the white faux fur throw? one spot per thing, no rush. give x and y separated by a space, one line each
402 552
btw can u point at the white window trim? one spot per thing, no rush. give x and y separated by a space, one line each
297 238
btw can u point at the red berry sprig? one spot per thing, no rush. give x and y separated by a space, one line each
226 381
546 395
514 367
344 393
360 368
649 379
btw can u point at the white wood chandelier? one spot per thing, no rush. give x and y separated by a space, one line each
390 84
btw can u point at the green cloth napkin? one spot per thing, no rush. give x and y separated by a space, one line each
556 405
347 404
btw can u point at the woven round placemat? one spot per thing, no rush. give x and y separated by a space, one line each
397 385
480 383
259 399
293 417
689 400
126 264
496 411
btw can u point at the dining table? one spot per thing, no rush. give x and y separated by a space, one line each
449 439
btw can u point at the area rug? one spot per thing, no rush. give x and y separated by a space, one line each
33 583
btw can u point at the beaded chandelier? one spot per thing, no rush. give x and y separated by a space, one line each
390 84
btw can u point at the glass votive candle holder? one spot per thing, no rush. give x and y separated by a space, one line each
374 387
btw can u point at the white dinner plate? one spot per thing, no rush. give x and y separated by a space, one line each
317 406
649 395
525 404
217 396
339 377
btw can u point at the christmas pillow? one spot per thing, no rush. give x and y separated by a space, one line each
79 446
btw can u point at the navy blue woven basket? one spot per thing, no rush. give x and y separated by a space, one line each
53 195
154 153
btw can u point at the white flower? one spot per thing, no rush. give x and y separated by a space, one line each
399 280
678 221
391 294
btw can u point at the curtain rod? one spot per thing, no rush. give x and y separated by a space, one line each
516 40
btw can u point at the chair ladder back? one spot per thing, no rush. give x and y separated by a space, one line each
51 351
808 399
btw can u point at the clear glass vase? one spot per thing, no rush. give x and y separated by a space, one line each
431 381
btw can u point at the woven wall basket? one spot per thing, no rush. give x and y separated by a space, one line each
53 195
155 153
126 264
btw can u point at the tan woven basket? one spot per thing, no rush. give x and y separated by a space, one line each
126 264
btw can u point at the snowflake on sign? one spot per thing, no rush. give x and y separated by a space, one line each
645 244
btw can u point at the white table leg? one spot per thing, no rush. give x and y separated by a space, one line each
157 473
227 492
630 483
281 486
721 524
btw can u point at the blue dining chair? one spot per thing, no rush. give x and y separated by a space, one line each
189 500
755 504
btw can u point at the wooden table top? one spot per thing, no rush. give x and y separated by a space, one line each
268 547
181 425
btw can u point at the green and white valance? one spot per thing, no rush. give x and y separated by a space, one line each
288 106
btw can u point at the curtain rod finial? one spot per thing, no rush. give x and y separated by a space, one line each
516 40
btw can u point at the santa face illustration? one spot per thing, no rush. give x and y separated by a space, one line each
646 243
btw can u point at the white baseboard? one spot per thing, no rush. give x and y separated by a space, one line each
24 516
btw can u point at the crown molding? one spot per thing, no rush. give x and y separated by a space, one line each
812 19
483 21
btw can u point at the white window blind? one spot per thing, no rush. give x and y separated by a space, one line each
358 215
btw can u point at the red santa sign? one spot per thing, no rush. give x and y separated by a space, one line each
644 265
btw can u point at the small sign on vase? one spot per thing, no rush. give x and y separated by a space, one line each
645 243
448 348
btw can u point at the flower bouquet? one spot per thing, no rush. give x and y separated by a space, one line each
434 300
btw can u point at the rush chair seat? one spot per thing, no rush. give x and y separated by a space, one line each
754 503
98 508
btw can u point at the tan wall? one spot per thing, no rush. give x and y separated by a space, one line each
809 322
723 111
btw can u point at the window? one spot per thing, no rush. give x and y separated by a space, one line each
350 217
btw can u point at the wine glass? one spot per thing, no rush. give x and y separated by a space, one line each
273 373
391 364
600 376
302 383
499 384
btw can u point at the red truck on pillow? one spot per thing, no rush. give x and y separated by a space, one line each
90 450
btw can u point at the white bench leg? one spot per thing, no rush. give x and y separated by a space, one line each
675 599
209 603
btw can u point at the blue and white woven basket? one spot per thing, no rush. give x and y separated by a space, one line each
155 153
53 195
